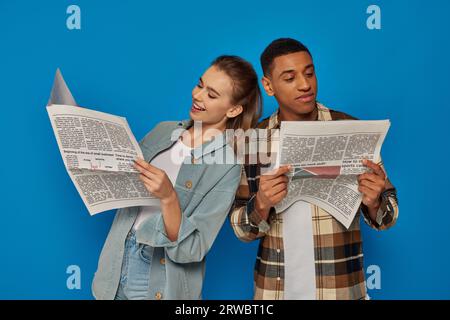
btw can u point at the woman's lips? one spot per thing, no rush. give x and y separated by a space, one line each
197 108
306 97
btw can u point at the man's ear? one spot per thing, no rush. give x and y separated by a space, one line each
267 85
235 111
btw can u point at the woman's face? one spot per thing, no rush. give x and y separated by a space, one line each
212 99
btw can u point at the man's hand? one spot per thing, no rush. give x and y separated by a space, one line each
272 189
371 185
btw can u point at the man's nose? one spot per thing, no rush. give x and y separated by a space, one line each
303 84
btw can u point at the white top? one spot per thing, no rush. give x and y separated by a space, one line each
299 264
170 161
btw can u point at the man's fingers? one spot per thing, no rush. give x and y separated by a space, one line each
267 185
370 176
375 167
372 186
277 188
279 196
369 194
276 173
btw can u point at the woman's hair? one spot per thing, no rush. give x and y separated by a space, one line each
246 90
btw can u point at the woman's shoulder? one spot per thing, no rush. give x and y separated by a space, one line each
163 129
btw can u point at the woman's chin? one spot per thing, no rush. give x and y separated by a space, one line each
195 115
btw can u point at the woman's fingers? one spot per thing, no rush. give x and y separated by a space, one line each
147 166
149 184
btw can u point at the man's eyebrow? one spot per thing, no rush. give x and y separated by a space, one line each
209 88
311 65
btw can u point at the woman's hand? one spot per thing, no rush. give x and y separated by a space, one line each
155 180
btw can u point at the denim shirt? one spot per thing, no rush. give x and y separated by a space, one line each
205 192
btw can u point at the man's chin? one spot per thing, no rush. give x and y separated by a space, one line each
304 108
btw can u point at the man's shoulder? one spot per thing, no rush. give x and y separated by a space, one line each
338 115
335 115
264 123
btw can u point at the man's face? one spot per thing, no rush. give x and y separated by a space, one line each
293 82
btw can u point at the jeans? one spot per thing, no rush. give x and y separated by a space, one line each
135 274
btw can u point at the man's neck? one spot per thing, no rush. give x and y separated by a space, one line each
287 116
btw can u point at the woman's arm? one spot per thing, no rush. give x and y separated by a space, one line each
158 183
198 231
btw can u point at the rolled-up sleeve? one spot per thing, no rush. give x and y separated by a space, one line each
387 214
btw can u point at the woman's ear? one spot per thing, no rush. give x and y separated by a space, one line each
267 85
235 111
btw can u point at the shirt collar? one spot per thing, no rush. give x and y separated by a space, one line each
323 114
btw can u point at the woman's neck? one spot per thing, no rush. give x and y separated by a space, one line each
198 134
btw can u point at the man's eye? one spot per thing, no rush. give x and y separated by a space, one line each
310 74
289 79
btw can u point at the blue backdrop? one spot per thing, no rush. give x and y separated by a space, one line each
140 59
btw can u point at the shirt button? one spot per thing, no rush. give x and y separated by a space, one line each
188 184
158 296
278 278
278 250
162 261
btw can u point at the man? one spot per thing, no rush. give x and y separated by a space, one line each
304 252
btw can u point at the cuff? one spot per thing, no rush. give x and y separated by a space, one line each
152 232
255 219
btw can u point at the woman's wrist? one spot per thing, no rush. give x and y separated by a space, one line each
170 199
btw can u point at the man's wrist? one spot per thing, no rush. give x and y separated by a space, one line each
260 209
373 210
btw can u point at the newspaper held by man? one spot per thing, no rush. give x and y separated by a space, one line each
98 150
326 159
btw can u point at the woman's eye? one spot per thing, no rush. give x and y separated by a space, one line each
199 85
212 97
309 74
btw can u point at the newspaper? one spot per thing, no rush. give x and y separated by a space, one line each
98 150
326 159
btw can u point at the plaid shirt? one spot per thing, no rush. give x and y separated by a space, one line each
338 251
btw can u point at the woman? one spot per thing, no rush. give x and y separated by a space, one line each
157 252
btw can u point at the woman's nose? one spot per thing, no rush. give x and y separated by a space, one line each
197 94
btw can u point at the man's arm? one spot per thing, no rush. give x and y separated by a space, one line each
380 213
246 222
252 208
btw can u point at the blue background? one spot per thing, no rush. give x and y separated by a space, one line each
140 59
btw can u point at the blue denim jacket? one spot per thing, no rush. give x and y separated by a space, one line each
205 192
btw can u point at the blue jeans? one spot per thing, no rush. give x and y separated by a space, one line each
135 274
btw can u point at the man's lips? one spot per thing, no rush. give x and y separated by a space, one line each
306 97
196 108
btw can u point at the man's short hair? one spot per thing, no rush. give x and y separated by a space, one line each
280 47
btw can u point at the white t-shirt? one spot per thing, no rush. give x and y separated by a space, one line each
170 161
299 264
